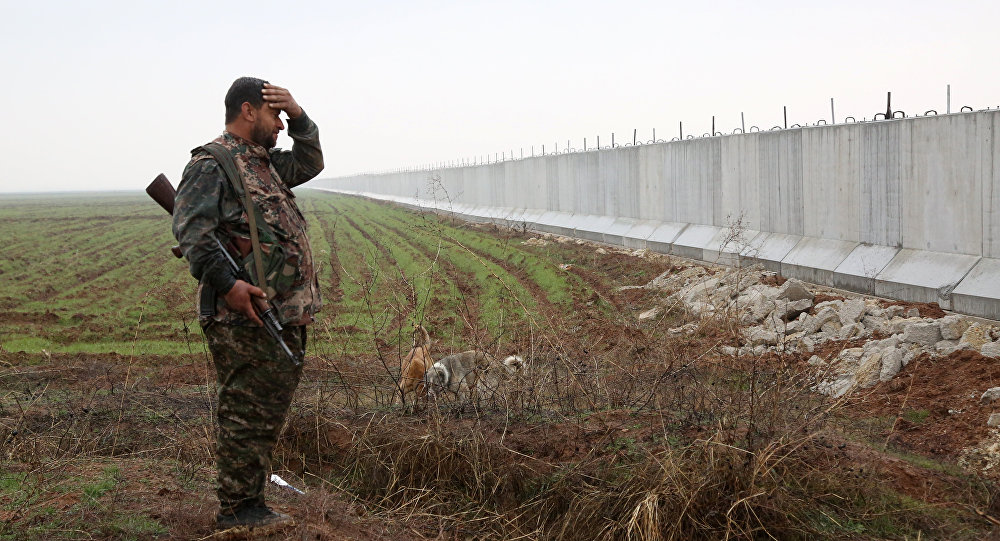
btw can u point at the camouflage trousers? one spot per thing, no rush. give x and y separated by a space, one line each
256 382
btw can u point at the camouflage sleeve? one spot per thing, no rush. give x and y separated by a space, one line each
305 160
196 218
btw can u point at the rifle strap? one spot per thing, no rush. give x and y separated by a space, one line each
225 160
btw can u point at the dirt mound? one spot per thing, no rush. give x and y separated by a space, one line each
933 406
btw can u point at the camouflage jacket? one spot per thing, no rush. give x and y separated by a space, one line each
207 204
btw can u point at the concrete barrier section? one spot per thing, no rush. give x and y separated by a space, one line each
858 271
635 237
592 227
814 260
769 249
692 241
662 238
615 234
729 245
977 293
923 276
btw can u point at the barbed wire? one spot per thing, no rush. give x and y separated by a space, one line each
568 148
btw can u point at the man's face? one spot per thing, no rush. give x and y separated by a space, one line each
266 127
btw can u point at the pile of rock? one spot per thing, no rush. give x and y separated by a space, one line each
785 318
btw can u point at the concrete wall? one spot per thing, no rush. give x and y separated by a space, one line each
907 207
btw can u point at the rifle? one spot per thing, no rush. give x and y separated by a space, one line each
163 193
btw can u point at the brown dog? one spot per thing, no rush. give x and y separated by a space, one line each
411 378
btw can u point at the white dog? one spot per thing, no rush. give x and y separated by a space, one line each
468 371
457 372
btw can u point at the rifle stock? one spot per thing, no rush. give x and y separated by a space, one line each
163 193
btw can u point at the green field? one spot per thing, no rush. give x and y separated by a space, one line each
620 427
94 274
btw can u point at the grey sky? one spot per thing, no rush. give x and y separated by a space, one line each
105 95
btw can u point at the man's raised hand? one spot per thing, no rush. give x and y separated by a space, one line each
280 98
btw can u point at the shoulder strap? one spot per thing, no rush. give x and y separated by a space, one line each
225 160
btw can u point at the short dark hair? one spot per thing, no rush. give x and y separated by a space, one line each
244 89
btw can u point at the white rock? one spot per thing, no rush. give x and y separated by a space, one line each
850 331
837 387
873 322
991 349
822 317
975 337
835 304
663 281
748 279
884 328
952 327
851 355
994 420
923 333
891 342
892 363
699 308
912 312
650 314
755 308
808 344
786 310
852 311
752 351
816 360
793 327
898 324
869 369
794 290
910 355
946 347
761 336
831 327
700 290
684 329
991 394
893 311
729 350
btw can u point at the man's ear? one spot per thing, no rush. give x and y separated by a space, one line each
248 112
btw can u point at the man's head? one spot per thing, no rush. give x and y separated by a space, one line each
249 116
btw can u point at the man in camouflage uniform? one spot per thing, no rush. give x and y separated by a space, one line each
256 379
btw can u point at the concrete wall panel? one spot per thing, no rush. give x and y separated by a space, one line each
652 199
991 188
740 181
881 170
943 186
780 166
831 165
695 169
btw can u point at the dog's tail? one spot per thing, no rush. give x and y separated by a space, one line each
514 364
421 339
